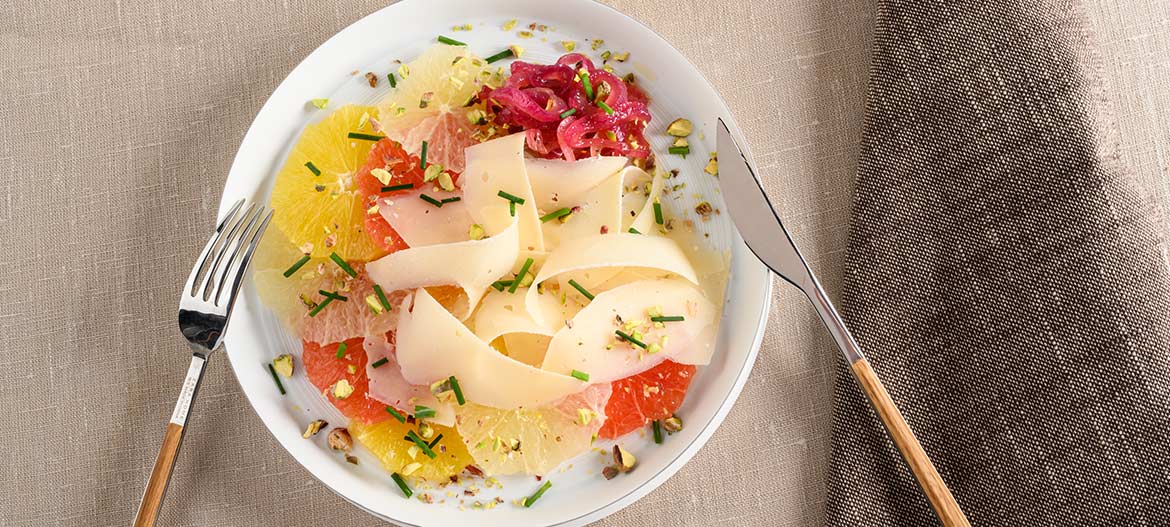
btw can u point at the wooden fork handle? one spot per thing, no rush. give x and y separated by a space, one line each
928 478
164 464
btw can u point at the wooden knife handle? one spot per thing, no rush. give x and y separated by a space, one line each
928 478
160 476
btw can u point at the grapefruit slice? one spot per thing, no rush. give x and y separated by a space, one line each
324 370
384 440
314 197
648 396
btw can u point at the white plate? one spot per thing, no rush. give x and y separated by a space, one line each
579 494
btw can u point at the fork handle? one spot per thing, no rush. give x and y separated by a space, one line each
160 476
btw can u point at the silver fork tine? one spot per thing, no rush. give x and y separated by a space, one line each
247 236
202 260
228 241
242 265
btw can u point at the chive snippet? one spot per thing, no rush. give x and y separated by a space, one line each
344 266
458 391
422 157
393 81
450 41
341 348
334 295
402 485
628 338
320 306
423 412
276 378
512 208
568 112
581 289
378 364
520 276
395 413
430 200
580 375
382 297
392 188
670 318
435 441
634 231
450 200
657 426
297 266
422 445
313 168
556 214
679 150
500 56
539 492
365 137
511 197
603 106
658 213
584 76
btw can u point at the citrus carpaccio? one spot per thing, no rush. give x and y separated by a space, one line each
648 396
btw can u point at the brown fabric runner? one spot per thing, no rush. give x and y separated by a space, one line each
1006 277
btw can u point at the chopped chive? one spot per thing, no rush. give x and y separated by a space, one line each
276 378
402 485
581 289
458 391
341 348
634 231
512 208
624 336
422 157
393 412
568 112
435 441
511 197
381 297
344 266
657 432
520 276
320 306
365 137
500 285
679 150
430 200
658 213
393 81
584 76
392 188
580 375
671 318
603 106
556 214
500 56
539 492
450 41
420 443
313 168
297 266
333 295
378 363
450 200
423 412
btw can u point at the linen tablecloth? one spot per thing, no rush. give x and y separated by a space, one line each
119 119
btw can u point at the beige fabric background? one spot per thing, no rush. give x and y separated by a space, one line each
119 119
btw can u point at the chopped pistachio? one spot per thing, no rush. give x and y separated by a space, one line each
569 45
351 459
527 280
404 71
605 55
609 472
516 50
340 440
363 120
621 57
607 68
424 100
524 34
597 43
680 142
672 424
475 232
411 468
704 209
476 116
432 172
623 459
509 25
320 103
629 78
382 175
372 79
352 369
342 389
584 416
426 431
446 183
374 304
712 165
680 127
283 365
653 348
413 451
307 301
314 427
372 210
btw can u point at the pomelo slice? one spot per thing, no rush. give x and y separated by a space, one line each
648 396
324 370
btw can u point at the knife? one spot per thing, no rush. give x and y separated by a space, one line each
765 235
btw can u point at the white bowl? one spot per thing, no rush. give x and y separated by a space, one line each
579 494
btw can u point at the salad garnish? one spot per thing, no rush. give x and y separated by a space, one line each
364 136
394 188
393 412
313 168
341 348
276 379
343 265
579 375
581 289
297 266
450 41
402 485
536 495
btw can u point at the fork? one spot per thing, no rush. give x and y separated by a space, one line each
204 308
